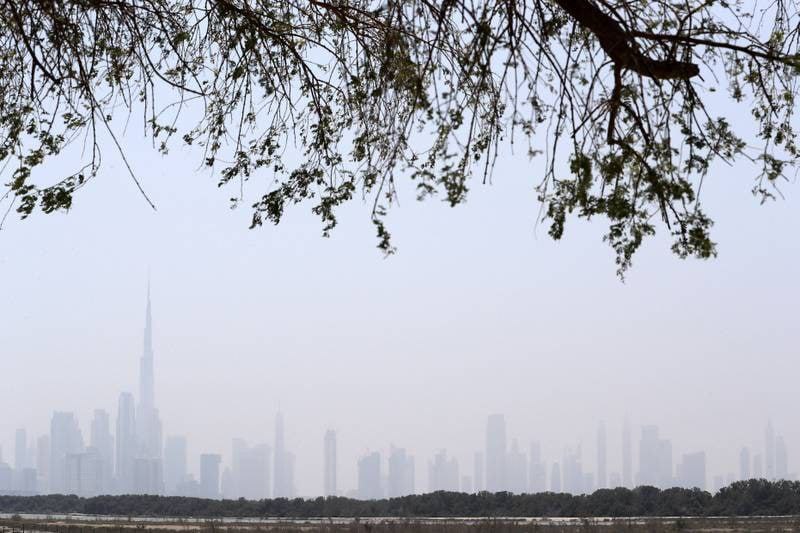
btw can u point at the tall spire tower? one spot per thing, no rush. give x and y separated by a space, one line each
148 422
146 372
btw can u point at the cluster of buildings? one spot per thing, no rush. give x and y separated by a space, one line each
503 467
131 457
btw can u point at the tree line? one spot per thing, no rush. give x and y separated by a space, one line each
755 497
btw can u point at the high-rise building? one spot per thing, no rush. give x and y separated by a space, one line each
572 474
284 469
228 486
692 471
329 464
6 477
602 457
27 483
769 450
496 480
20 450
627 455
148 422
477 474
369 477
84 473
758 466
401 473
781 459
655 459
65 439
175 459
555 478
148 476
537 478
102 441
250 470
126 443
744 464
209 475
43 461
443 473
517 469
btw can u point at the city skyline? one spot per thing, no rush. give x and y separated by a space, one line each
139 456
134 460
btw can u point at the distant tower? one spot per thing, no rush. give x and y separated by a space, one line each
758 469
369 477
496 453
769 450
65 440
20 450
781 459
42 461
329 456
538 475
175 470
478 472
627 456
126 443
744 464
401 473
102 441
209 475
555 478
148 429
284 467
602 476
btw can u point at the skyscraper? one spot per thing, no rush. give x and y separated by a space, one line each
250 472
209 475
65 439
148 423
174 463
255 481
369 477
443 473
329 464
102 441
555 478
692 471
84 473
43 461
126 443
602 457
537 479
769 450
572 472
284 467
20 450
781 459
758 466
496 453
477 476
401 473
517 469
744 464
627 456
655 459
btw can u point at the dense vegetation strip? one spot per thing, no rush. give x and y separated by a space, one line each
745 498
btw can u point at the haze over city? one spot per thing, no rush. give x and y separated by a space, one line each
478 313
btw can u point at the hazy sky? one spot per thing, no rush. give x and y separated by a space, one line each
479 312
